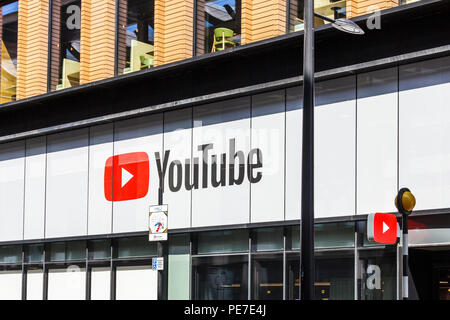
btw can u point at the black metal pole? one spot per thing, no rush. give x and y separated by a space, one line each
405 255
162 252
307 217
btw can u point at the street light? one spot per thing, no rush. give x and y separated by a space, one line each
307 217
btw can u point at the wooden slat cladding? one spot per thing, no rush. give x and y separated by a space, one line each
55 49
122 35
32 48
361 7
173 30
97 40
262 19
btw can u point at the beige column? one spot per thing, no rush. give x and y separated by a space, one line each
98 29
360 7
32 48
262 19
174 30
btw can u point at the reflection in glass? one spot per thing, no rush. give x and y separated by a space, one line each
136 32
64 251
135 247
268 239
267 274
334 9
10 254
334 275
222 241
99 249
220 278
65 51
35 253
9 14
378 274
218 25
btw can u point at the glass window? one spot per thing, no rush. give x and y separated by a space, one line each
35 283
220 278
10 254
179 267
99 249
136 283
65 44
378 269
267 277
268 239
67 284
9 52
34 253
222 241
66 251
330 235
333 9
326 235
334 275
135 247
218 25
136 32
334 278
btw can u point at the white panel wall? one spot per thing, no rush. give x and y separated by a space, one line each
377 141
100 284
35 284
34 213
100 149
12 172
136 283
138 135
178 139
67 184
64 285
334 148
10 285
294 124
216 124
424 148
268 135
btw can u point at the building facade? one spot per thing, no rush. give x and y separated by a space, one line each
109 106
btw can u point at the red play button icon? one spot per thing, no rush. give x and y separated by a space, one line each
127 176
382 228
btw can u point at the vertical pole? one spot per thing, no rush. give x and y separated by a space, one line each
405 255
307 217
162 252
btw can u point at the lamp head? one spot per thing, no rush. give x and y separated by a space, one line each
347 26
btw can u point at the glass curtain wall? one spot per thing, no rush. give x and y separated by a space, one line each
136 35
65 44
334 9
218 25
8 58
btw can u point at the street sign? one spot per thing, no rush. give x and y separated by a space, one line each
157 222
382 228
158 264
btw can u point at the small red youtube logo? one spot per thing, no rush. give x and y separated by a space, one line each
382 228
127 176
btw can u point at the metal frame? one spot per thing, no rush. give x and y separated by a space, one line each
112 262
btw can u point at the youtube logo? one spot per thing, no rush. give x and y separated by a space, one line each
127 176
382 228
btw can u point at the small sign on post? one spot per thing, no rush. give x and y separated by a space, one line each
157 222
158 264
